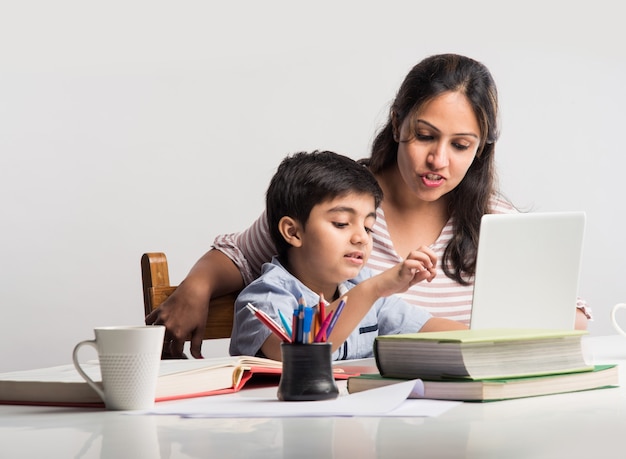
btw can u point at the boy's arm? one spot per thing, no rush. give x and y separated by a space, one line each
419 265
271 348
359 301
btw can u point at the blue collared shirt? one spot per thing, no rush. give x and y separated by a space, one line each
278 289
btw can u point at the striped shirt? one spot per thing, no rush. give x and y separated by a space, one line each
443 297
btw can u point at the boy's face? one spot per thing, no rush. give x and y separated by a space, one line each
336 242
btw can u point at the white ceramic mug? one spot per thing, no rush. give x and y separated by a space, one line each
616 308
129 357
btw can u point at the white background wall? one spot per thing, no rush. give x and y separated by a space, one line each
134 126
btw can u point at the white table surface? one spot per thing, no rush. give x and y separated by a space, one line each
588 424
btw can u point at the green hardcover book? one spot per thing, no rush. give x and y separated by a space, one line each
481 354
601 376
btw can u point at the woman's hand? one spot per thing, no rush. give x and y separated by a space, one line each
184 316
184 313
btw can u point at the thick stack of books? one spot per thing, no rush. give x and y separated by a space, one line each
483 365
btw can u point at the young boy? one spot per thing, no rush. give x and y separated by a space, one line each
321 208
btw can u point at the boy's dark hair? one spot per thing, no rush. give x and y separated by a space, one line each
304 180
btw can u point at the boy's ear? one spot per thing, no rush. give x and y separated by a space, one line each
291 231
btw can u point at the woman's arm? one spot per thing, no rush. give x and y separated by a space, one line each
581 320
235 261
248 249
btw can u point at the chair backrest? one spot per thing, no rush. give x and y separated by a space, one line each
156 288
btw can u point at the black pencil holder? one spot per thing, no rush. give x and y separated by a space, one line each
307 372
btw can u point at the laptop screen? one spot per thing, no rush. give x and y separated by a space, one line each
527 270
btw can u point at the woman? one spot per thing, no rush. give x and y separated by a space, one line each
434 160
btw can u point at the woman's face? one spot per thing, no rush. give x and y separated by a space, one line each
434 159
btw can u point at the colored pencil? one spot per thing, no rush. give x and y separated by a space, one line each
270 323
285 322
320 337
336 315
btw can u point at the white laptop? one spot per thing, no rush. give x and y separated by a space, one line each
527 270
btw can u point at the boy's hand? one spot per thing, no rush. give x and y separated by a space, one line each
422 261
419 265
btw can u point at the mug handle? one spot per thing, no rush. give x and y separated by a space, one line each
91 382
618 306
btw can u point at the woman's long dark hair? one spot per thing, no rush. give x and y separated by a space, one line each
470 200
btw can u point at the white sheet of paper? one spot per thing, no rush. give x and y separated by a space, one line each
425 408
382 401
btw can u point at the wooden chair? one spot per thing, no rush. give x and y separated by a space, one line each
156 288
